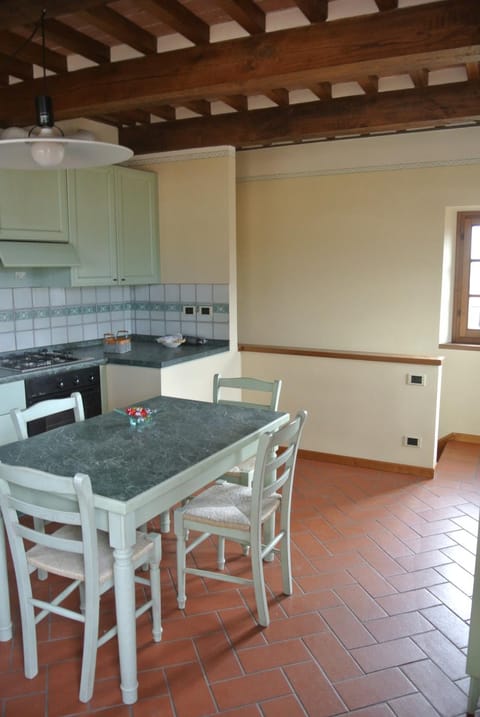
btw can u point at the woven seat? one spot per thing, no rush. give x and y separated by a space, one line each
239 513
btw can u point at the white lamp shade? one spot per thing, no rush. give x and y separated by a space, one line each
78 153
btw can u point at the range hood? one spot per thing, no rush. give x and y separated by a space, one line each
32 255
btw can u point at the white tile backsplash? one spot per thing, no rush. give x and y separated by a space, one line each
36 316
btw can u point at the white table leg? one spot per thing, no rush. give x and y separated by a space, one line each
5 617
127 637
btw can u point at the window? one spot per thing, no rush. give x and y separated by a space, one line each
466 305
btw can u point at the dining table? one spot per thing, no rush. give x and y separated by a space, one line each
137 473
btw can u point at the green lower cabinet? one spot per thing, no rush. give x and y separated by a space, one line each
113 215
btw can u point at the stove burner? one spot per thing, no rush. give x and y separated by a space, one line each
29 361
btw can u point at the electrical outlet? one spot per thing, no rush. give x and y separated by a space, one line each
412 441
188 310
205 310
416 379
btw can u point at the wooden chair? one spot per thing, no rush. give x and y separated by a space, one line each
238 513
76 551
265 394
22 417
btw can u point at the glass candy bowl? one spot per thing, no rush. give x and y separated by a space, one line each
138 415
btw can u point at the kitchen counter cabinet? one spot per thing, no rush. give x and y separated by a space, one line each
129 385
33 206
113 214
12 395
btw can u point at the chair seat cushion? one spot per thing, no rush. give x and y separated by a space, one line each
227 505
70 565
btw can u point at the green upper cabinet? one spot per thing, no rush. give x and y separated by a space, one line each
33 206
113 215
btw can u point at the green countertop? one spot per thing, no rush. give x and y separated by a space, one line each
148 354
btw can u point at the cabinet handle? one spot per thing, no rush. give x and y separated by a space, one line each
114 279
123 279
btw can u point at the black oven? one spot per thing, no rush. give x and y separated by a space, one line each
60 385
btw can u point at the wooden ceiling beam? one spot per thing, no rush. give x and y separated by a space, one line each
24 12
323 90
76 42
31 52
165 112
356 115
384 5
473 70
280 96
447 33
200 107
419 77
121 29
236 102
369 84
18 68
314 10
247 13
179 18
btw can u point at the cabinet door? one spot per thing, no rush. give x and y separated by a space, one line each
137 226
33 206
92 225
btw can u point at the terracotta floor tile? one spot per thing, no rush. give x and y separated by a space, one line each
449 624
462 557
456 575
417 579
377 625
250 689
196 700
403 625
413 705
152 707
331 655
388 654
443 694
443 653
360 602
370 580
465 539
256 659
314 692
411 563
297 626
297 603
347 627
453 598
281 707
378 687
27 705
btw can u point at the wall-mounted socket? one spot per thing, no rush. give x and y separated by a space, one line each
416 379
188 310
412 441
205 310
20 274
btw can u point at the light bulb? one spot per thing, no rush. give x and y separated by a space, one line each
47 154
50 152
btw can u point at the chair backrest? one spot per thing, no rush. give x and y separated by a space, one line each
275 467
266 393
27 492
21 417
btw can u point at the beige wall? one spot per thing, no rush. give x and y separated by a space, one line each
341 246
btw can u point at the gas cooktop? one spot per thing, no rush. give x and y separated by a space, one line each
31 360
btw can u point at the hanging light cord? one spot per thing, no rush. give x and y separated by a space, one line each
44 55
27 40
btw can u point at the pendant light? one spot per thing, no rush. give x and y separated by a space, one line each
46 147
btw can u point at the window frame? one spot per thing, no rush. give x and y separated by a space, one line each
460 331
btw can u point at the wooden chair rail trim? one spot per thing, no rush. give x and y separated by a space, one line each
414 471
350 355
